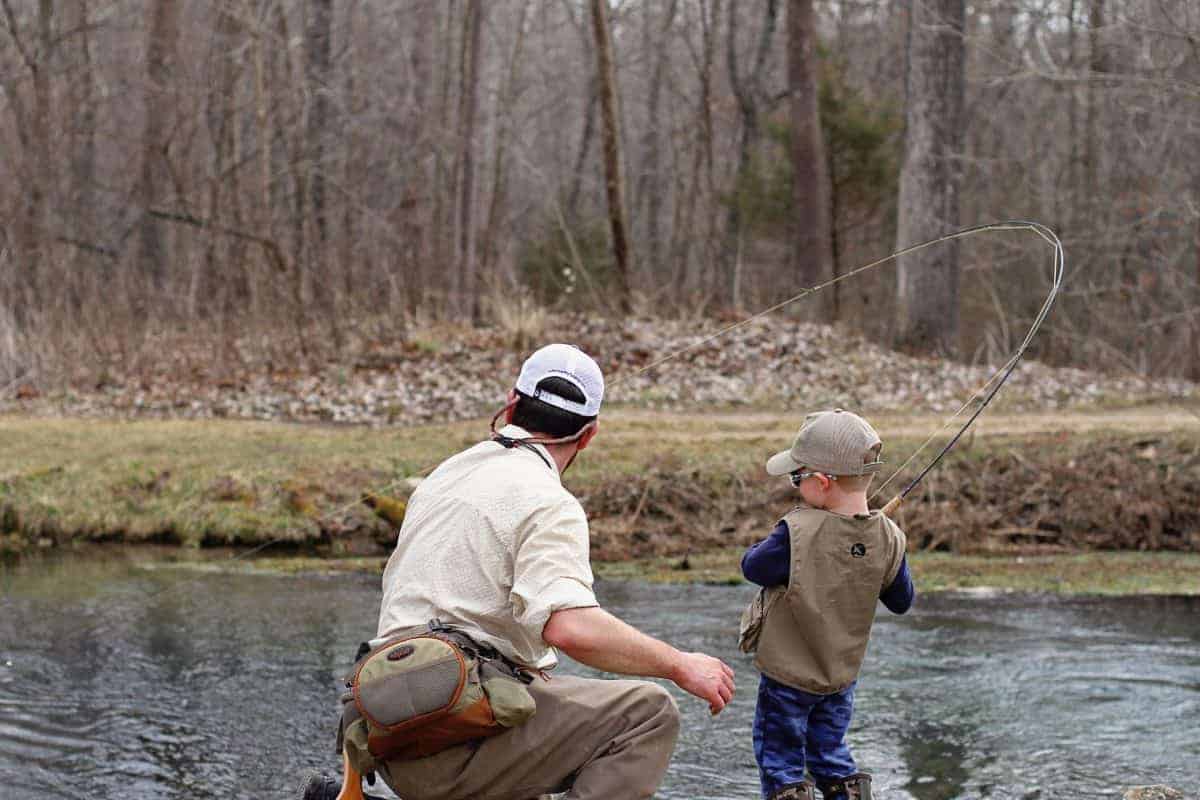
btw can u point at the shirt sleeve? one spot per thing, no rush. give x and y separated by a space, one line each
769 563
551 570
899 596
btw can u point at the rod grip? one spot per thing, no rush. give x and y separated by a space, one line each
892 505
351 781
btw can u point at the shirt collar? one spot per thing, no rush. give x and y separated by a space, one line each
517 432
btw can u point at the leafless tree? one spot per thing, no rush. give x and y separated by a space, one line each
613 172
812 248
927 302
750 91
154 188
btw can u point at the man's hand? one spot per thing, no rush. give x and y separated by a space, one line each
708 678
594 637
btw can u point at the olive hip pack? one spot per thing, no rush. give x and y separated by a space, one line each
416 695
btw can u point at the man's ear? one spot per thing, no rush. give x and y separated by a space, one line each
511 406
586 439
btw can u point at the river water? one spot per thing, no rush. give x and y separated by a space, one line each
157 682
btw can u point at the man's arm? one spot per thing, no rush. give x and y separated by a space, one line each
594 637
769 563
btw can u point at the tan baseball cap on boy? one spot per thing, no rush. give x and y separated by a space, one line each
835 442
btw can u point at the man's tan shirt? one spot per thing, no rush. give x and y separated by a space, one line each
493 543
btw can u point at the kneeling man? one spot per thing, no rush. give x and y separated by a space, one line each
494 545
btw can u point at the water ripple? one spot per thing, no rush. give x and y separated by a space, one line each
124 684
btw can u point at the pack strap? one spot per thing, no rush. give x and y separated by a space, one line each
509 443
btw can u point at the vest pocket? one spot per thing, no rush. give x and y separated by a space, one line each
750 629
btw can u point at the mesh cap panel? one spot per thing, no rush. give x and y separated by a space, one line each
402 696
835 442
571 364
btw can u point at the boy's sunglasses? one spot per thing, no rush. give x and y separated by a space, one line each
800 475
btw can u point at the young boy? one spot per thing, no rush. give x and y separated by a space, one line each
822 568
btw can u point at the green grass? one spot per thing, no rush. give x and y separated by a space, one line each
195 482
225 482
220 482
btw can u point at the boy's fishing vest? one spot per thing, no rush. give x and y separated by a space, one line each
815 636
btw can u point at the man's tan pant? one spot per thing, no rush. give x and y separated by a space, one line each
594 739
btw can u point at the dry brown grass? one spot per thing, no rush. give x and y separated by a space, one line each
653 484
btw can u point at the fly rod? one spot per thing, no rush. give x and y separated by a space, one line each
999 378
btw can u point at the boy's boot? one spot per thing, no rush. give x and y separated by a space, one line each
855 787
797 791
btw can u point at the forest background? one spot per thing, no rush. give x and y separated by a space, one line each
369 211
287 179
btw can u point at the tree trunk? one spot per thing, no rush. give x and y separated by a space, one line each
360 283
46 173
36 236
650 184
614 183
585 148
414 274
218 270
1072 118
162 34
710 20
318 60
288 76
812 255
444 243
1097 65
83 159
508 98
586 46
927 290
1193 370
468 267
748 91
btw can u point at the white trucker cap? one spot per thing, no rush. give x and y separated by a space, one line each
573 365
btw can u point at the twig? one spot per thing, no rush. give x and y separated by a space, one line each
272 249
637 512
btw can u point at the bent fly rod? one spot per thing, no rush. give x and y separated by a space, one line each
988 391
1002 374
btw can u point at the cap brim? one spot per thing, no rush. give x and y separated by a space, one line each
782 463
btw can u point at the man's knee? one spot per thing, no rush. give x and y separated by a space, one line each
660 706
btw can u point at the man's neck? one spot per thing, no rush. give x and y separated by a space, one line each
563 455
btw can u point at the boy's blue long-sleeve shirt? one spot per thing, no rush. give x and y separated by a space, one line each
768 563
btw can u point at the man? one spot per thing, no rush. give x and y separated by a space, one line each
493 544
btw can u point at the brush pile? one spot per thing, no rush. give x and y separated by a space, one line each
445 373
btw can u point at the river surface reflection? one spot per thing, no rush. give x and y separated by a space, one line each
120 680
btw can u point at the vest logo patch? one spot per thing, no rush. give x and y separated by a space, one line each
858 549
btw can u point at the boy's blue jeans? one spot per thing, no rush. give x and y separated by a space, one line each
793 729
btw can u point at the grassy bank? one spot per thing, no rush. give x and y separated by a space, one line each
656 485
